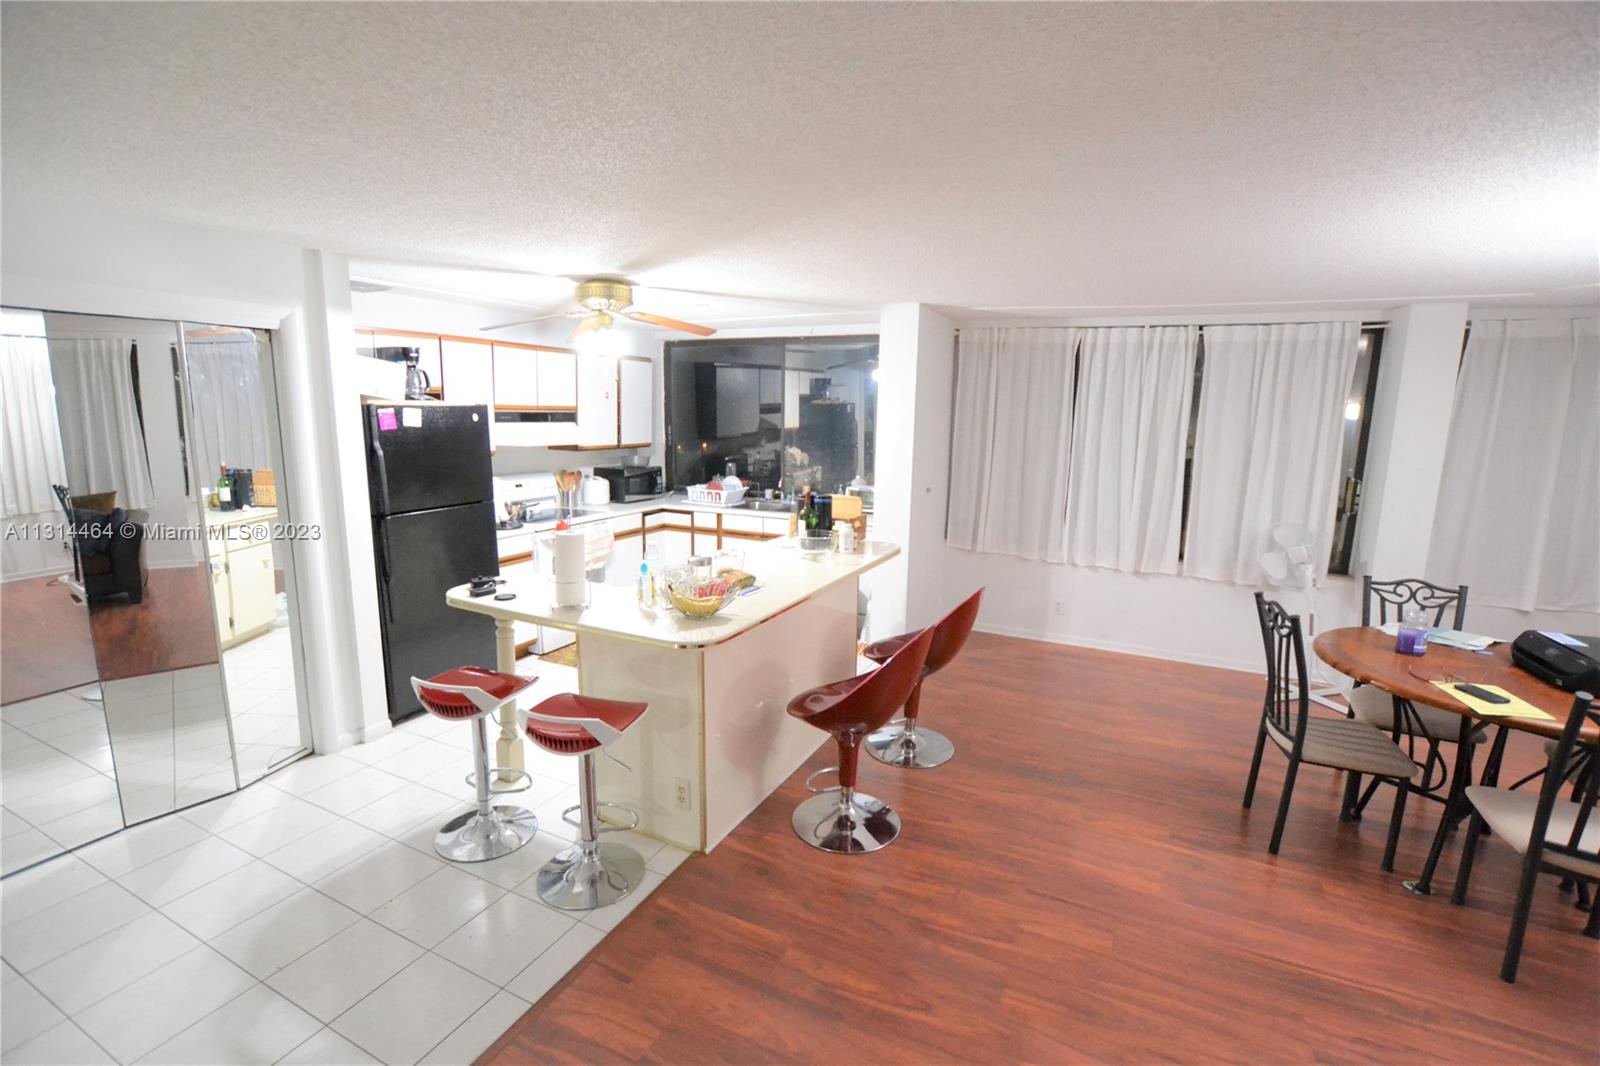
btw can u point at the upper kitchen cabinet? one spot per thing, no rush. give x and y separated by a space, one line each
516 377
635 409
558 380
468 372
597 402
616 402
527 378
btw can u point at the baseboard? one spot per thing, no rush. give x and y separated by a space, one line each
1145 651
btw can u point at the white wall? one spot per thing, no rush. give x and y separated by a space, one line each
89 262
916 381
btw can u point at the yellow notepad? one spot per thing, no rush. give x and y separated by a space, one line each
1517 708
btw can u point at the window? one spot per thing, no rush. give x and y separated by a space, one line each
786 412
1353 447
1353 450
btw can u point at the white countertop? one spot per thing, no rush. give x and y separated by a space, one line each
785 578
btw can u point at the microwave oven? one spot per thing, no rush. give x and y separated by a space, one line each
633 482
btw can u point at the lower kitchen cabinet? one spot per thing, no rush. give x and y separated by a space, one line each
244 588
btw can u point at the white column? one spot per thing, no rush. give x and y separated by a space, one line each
349 634
1406 447
916 382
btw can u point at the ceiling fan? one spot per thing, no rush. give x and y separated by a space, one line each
600 300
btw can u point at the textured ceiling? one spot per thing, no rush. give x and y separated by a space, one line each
1041 158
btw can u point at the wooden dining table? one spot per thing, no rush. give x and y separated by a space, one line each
1368 655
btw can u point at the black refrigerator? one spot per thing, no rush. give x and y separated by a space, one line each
432 495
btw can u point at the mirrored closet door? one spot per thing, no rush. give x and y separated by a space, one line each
237 448
149 657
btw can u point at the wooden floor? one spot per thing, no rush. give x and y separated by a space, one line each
51 643
1080 883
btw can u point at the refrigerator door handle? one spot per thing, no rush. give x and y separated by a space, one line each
383 480
384 573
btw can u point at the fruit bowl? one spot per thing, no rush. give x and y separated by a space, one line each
698 597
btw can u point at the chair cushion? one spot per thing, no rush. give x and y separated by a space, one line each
1344 744
1510 815
1376 707
573 738
456 705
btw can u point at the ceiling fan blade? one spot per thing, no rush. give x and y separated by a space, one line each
525 321
592 322
669 323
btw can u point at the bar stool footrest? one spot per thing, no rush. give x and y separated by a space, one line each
496 789
818 773
569 817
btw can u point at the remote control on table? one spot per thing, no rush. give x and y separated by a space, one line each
1482 694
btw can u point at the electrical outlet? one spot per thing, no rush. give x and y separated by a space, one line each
681 795
1058 608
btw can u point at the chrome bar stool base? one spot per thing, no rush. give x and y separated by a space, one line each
868 824
474 837
921 749
585 877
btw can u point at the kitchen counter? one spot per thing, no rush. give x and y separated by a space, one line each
717 739
785 578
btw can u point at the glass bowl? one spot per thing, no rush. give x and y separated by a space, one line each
815 545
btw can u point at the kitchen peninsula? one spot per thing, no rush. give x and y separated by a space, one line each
717 739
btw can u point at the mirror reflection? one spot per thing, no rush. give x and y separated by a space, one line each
148 659
237 453
130 497
57 782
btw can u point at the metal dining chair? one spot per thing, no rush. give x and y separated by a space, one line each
1554 835
1337 743
1386 601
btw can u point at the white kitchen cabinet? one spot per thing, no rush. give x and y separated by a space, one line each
742 522
517 543
778 526
597 402
219 596
636 406
244 584
623 566
558 378
252 588
522 632
468 372
516 377
674 546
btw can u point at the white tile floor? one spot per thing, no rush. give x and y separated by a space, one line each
56 783
305 919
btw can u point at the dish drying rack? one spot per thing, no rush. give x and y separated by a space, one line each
716 496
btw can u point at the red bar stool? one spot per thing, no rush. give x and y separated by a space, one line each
472 694
841 819
903 743
589 874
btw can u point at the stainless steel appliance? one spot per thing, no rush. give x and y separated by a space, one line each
633 482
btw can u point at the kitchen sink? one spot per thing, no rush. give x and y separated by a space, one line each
766 505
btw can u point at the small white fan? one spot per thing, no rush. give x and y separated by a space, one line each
1290 565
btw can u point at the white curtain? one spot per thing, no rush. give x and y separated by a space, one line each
100 430
1011 441
1267 443
229 404
1130 433
1518 519
31 459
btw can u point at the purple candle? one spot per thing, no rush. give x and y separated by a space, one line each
1411 641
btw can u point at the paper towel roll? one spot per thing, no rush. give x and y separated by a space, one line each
568 557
